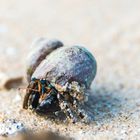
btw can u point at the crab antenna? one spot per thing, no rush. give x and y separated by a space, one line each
28 89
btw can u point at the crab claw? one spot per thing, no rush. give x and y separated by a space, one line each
35 100
49 105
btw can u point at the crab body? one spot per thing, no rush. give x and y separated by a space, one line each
70 71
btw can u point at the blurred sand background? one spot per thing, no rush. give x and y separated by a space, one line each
110 29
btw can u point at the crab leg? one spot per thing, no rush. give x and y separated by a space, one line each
26 98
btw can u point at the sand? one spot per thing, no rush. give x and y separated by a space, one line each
109 29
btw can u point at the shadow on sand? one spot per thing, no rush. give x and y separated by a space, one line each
103 105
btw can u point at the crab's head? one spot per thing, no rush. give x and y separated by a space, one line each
41 96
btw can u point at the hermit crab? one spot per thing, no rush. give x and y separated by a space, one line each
58 77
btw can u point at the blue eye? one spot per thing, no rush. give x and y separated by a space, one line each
33 79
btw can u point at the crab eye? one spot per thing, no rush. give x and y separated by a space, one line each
43 81
33 79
